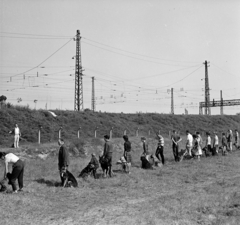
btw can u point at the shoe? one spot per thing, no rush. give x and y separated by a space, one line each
20 189
15 191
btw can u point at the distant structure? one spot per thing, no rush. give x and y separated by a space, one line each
207 91
221 106
93 96
172 102
78 102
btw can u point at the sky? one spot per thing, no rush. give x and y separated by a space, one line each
136 50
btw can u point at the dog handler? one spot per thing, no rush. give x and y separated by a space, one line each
63 159
189 143
127 152
17 170
107 153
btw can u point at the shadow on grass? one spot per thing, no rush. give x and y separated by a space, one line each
49 183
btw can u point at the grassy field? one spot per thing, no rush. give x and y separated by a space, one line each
187 193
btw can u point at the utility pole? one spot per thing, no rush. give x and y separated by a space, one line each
221 107
207 93
93 96
78 103
172 106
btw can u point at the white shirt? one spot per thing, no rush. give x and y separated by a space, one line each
208 140
11 158
16 131
189 139
215 140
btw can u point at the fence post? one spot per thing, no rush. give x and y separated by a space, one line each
149 132
169 134
95 132
39 134
158 131
59 132
125 132
111 133
79 132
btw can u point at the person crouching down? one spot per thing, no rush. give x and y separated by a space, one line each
17 170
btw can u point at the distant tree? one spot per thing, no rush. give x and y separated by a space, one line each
3 99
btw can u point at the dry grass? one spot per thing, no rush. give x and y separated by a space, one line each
186 193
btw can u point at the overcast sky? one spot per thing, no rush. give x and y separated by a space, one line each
136 51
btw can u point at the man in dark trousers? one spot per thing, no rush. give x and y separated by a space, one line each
175 140
107 153
63 159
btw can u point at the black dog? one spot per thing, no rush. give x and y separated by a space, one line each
147 162
87 171
207 152
106 166
68 179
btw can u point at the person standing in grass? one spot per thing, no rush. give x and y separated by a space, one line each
145 146
107 153
127 152
17 135
215 144
17 170
189 143
229 140
175 140
160 148
197 146
224 144
236 144
63 159
209 142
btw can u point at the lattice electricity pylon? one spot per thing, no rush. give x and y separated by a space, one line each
78 103
219 103
207 92
93 96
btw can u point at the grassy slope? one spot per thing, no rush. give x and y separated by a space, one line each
29 120
187 193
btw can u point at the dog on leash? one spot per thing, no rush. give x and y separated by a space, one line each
68 179
124 164
206 151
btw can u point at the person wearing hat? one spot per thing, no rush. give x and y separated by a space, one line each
127 153
215 144
17 170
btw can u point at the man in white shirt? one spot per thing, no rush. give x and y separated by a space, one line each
189 143
215 144
17 134
236 144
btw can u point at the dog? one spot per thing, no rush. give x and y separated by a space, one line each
147 161
107 170
88 171
224 150
68 179
206 152
124 164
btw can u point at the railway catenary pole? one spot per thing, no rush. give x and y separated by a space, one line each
207 90
93 96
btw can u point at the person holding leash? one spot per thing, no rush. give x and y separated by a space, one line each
63 159
17 170
17 135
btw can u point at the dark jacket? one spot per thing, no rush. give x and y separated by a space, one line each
108 149
63 157
127 146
